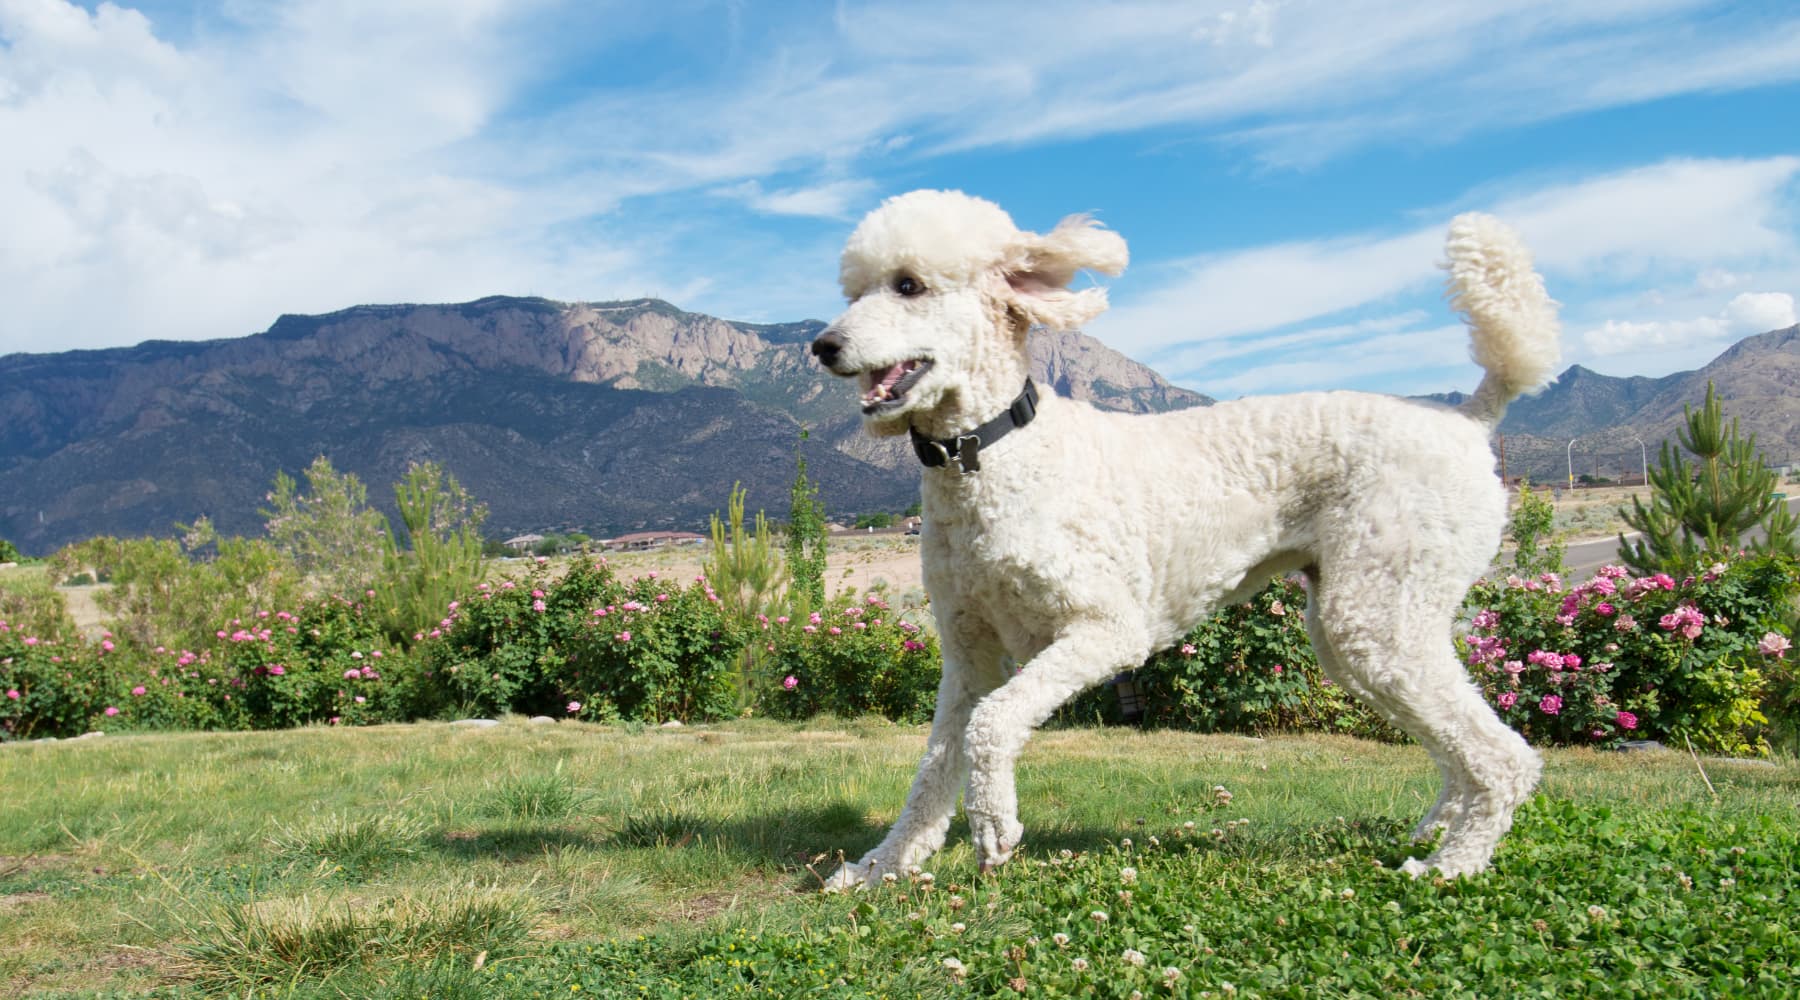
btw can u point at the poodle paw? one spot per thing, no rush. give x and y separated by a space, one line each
995 839
853 877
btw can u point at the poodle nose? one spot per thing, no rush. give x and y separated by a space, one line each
828 346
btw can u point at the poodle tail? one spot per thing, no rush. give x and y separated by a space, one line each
1513 331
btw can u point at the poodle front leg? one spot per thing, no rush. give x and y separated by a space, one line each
925 820
1001 723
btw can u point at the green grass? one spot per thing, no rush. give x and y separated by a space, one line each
574 860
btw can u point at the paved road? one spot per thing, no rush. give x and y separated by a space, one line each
1583 558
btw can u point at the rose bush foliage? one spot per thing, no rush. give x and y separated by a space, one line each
1622 657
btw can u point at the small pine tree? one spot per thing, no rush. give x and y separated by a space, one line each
805 542
1699 513
443 559
745 571
8 552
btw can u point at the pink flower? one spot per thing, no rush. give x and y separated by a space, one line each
360 699
1550 705
1774 644
1508 699
790 682
1572 661
278 670
12 693
1626 720
1187 649
1604 609
537 605
138 692
106 644
574 706
1686 619
111 711
623 637
352 674
1277 668
661 598
834 630
31 640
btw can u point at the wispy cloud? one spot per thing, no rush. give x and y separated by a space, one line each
1703 229
195 174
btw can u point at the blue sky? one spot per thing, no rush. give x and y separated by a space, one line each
1283 171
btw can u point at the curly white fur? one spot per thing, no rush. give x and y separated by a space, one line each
1089 540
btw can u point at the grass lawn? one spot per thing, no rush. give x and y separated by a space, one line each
571 860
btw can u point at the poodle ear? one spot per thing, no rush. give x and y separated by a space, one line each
1041 267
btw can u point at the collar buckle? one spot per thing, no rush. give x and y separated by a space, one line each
965 449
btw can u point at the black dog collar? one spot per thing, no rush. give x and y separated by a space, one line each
965 449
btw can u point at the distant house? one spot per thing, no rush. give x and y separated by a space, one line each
523 543
643 541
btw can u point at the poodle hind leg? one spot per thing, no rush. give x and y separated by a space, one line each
1394 650
1455 788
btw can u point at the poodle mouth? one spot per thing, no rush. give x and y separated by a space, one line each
887 387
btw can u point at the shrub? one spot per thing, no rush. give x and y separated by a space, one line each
160 594
852 657
1621 657
9 553
326 661
1248 668
48 686
585 645
32 603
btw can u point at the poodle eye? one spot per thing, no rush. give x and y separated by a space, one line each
909 286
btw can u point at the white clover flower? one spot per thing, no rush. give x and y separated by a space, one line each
958 927
1061 939
1348 894
1597 912
1170 974
889 878
1125 843
955 968
1128 875
1079 964
1133 956
1098 916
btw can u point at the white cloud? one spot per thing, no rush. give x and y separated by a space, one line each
303 154
831 200
1669 219
1746 314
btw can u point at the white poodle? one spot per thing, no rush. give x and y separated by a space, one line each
1074 542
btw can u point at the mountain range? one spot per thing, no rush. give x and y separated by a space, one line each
608 417
600 417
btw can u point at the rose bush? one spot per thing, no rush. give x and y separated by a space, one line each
855 656
1622 657
586 644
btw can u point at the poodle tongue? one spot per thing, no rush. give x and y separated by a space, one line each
885 381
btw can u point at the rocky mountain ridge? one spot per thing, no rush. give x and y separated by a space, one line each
603 417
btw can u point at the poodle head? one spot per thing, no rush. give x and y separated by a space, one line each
943 289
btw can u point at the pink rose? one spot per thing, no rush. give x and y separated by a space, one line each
790 682
1626 720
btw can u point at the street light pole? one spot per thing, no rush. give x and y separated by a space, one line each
1569 454
1644 457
